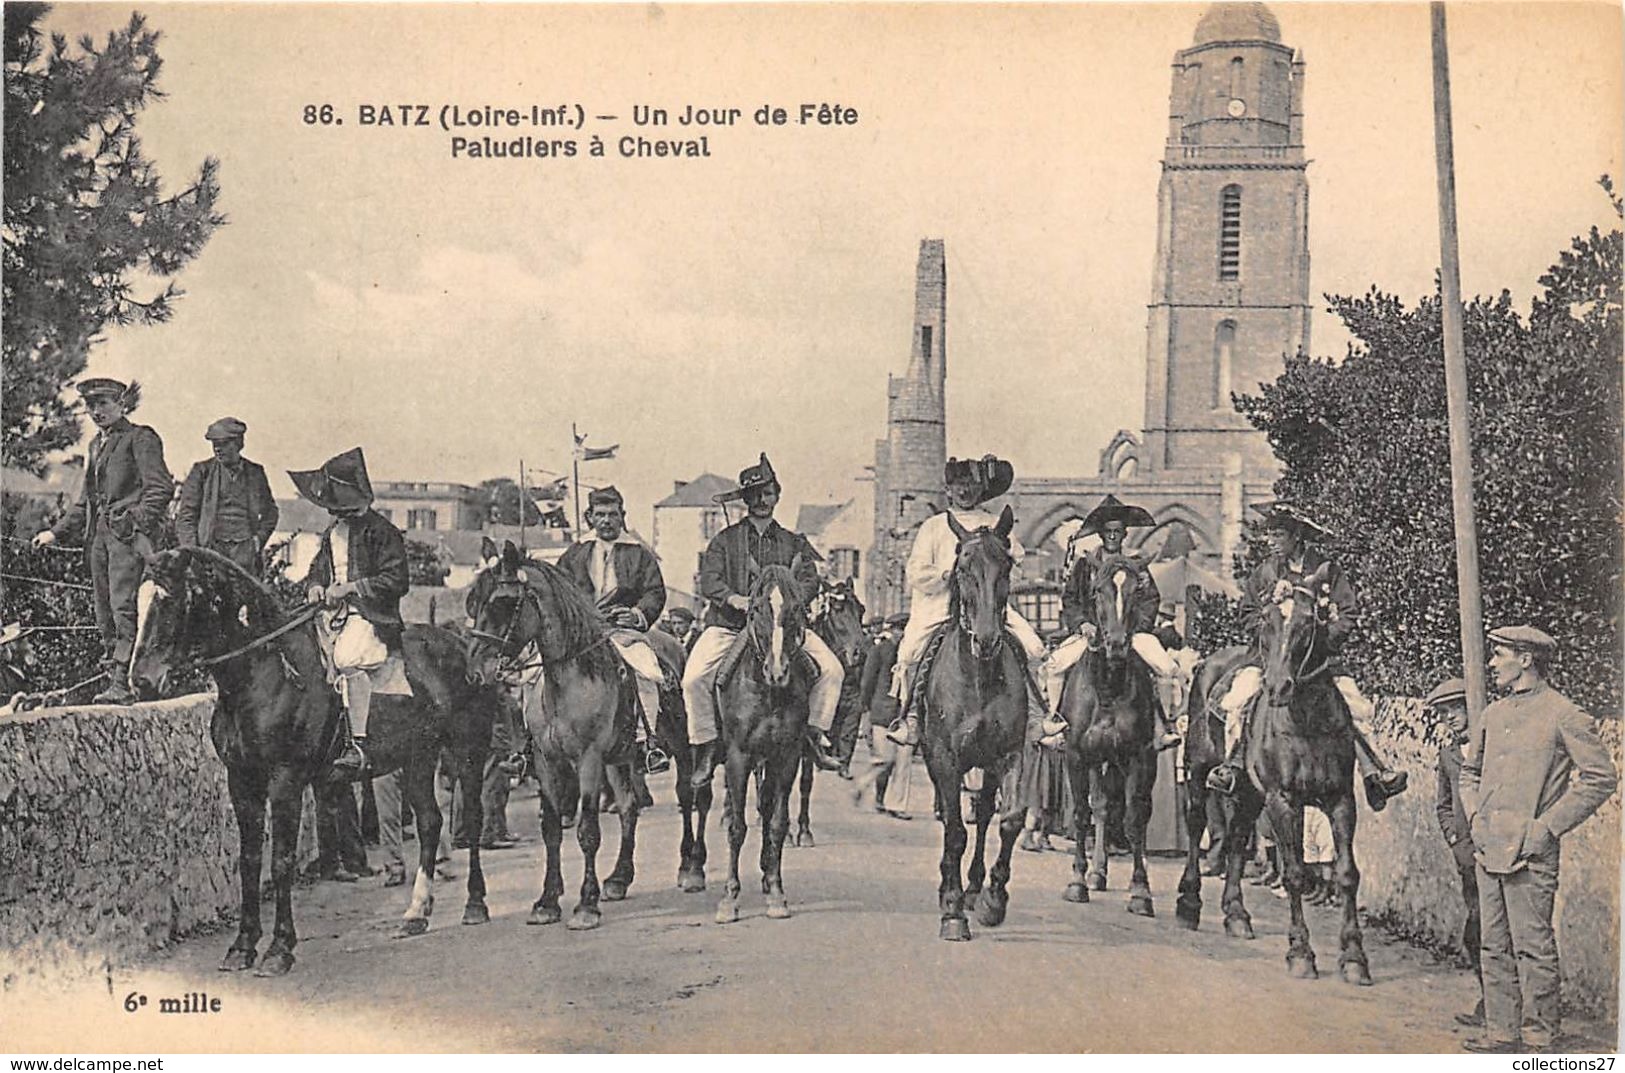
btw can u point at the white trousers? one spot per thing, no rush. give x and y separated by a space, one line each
1070 651
647 675
911 647
1249 680
708 652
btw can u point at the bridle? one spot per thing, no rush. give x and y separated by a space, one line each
961 610
510 667
1304 672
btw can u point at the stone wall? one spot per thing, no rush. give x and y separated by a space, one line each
1408 877
116 834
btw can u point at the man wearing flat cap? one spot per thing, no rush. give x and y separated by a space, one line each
226 503
728 569
1520 801
1293 562
122 506
1448 703
360 574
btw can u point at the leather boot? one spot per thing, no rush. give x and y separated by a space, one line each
823 750
705 762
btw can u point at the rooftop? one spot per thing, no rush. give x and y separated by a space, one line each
698 492
814 516
1237 22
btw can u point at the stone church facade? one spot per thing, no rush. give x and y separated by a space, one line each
1229 301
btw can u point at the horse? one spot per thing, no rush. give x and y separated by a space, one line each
836 615
974 696
1204 809
581 713
1299 750
762 705
1109 702
276 726
670 729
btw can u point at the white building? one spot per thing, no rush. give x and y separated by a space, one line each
685 522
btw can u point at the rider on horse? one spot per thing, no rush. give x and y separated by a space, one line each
970 483
1293 561
728 569
623 575
360 574
1110 521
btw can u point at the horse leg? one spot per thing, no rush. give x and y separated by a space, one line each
588 836
944 768
697 859
475 911
804 835
556 781
1101 809
981 814
1188 909
1286 817
1077 777
1351 961
1142 776
779 784
995 899
619 881
690 875
737 775
287 797
417 786
248 803
1238 924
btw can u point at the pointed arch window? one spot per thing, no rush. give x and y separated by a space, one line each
1224 349
1230 234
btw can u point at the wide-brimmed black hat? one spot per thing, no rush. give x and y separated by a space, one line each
1281 512
341 483
760 475
1112 509
993 474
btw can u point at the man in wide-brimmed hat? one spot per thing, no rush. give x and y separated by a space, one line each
226 503
1535 771
360 574
727 571
1111 521
969 484
1293 561
122 506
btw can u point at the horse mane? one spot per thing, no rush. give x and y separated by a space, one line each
580 622
259 597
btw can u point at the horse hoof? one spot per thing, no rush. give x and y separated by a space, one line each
804 839
585 920
778 909
414 926
1357 973
1188 916
1140 905
1097 881
1302 968
476 914
691 882
1076 892
1238 928
614 890
275 963
237 960
727 911
544 914
990 912
955 930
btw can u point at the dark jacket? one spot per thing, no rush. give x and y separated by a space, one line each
1077 593
194 519
638 583
877 669
377 557
1259 593
726 567
1447 803
125 476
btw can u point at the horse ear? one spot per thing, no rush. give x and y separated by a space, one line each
510 555
1007 521
488 549
795 564
959 531
1323 574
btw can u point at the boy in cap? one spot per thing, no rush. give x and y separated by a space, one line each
1448 703
1520 801
122 505
226 502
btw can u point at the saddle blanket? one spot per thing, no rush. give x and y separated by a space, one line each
389 678
638 653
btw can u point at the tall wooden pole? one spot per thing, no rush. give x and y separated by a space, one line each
575 473
524 500
1455 379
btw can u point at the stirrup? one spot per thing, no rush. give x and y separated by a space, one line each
1055 724
655 760
905 731
352 762
1223 779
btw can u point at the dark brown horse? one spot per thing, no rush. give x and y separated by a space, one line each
974 698
762 706
276 726
1299 750
1109 702
836 615
580 706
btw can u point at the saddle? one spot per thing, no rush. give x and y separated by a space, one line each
735 654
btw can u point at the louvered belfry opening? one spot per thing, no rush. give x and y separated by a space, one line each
1230 234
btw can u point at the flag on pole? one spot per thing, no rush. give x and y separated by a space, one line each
597 454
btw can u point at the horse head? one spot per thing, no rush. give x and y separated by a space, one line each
1292 634
837 616
496 606
776 620
981 582
1115 585
184 598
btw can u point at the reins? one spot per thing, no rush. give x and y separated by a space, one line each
299 618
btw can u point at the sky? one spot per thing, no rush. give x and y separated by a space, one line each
454 316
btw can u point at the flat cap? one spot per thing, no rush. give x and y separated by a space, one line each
1448 690
1529 638
101 387
608 495
227 428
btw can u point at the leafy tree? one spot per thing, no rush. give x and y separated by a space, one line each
85 218
502 502
1364 446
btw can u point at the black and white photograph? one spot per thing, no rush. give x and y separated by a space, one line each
819 528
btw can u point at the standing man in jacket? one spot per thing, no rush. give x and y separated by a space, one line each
1520 802
226 502
122 506
1448 701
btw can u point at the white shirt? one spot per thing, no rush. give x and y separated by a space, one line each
931 562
